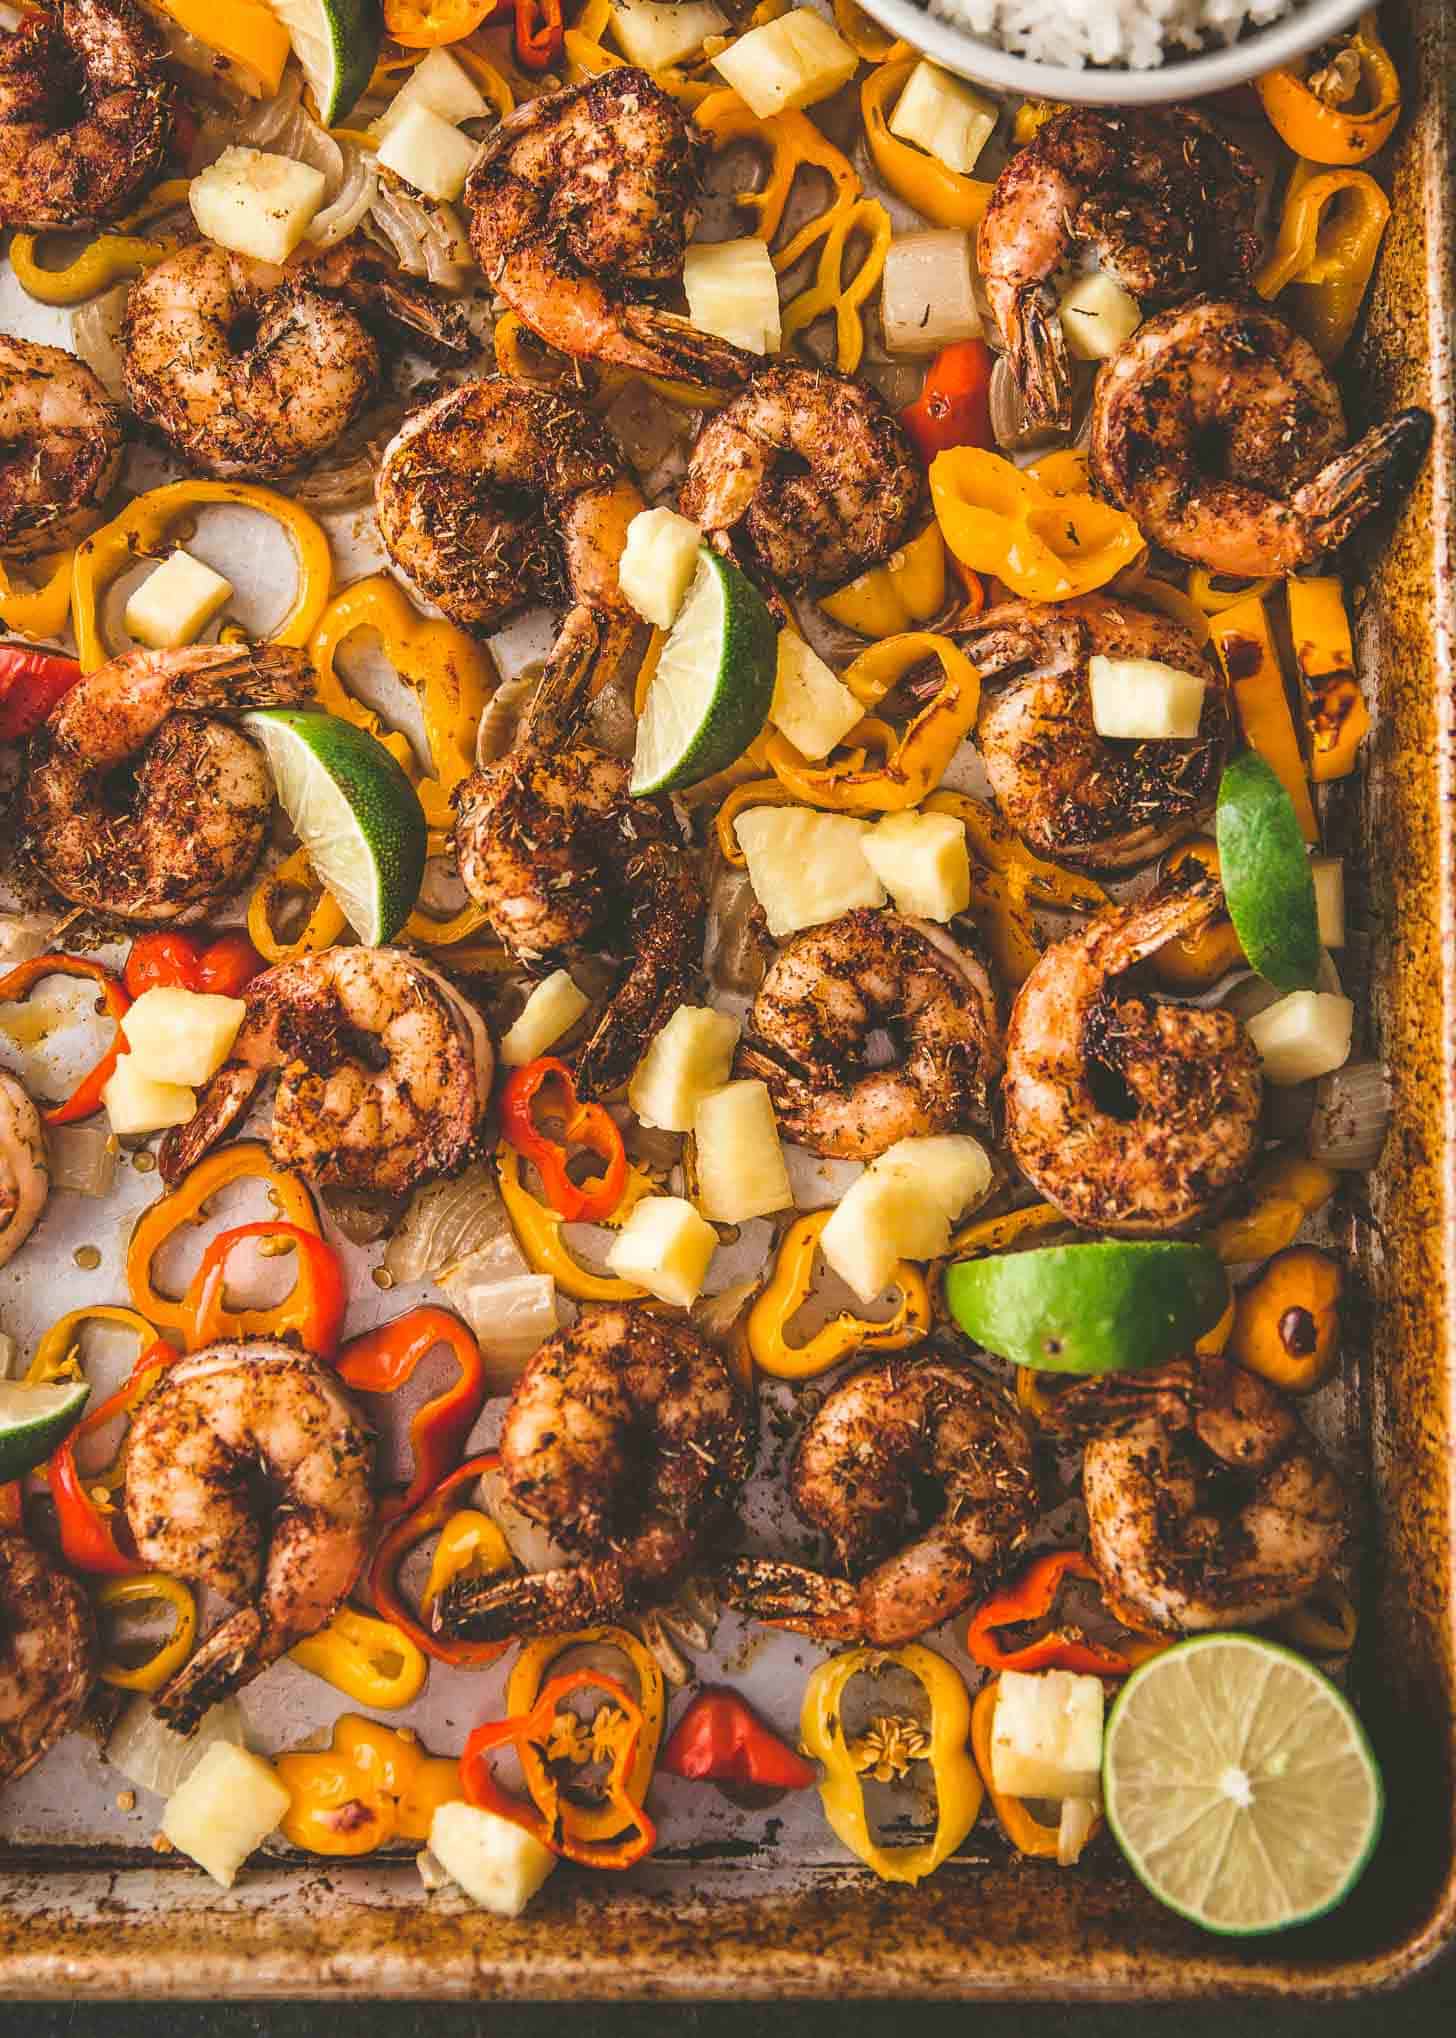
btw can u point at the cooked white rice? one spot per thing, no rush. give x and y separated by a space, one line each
1133 34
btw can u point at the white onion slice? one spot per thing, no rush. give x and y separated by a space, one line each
511 1317
428 239
358 185
451 1221
83 1158
1351 1116
1075 1828
96 335
530 1544
154 1758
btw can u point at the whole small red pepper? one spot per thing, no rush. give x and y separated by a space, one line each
88 1542
383 1360
538 33
399 1540
954 407
16 983
225 967
1030 1595
312 1310
720 1737
31 683
588 1125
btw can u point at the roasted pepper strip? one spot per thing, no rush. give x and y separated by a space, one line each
588 1125
954 406
588 1823
1215 592
1030 1595
322 928
1246 652
1336 719
88 1542
1287 1189
1044 546
1022 1828
369 1660
384 1589
721 1739
42 610
947 197
386 1359
908 588
1309 111
312 1311
369 1786
788 1289
111 257
1322 263
20 981
184 1204
224 968
995 1234
538 1231
167 1657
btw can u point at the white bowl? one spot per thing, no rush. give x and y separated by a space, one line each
1265 49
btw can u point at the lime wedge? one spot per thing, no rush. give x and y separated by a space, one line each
1112 1307
34 1420
1240 1785
1267 880
354 811
714 682
336 43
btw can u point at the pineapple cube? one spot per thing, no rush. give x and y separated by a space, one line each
690 1055
1304 1035
806 867
741 1172
732 290
136 1103
1142 700
1328 873
861 1241
928 292
256 204
794 61
178 1036
442 85
1097 316
950 1171
658 562
497 1863
552 1009
427 152
174 605
655 33
223 1809
665 1248
923 863
944 116
811 704
1046 1737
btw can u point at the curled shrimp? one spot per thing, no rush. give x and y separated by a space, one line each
384 1072
1075 795
143 802
626 1437
807 473
85 113
905 1438
60 448
254 370
828 990
1130 1115
48 1654
581 205
25 1177
1162 199
1222 432
248 1469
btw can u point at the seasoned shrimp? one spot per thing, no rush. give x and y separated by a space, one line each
828 989
25 1177
1220 429
248 1469
808 472
48 1654
1129 1115
1073 794
627 1438
253 370
905 1438
384 1072
1209 1505
143 802
60 448
581 205
1162 199
85 113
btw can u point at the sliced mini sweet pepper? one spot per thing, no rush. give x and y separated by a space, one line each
110 258
322 926
1015 1817
149 1588
1344 108
721 1739
224 967
538 1230
369 1660
1336 719
1006 876
247 33
88 1542
1323 260
434 1512
184 1206
1288 1188
1246 652
1045 547
31 684
41 610
426 24
1215 592
386 1359
372 1784
905 589
588 1125
85 1099
1199 960
470 1545
947 197
312 1312
870 43
1030 1596
588 1823
954 407
787 1290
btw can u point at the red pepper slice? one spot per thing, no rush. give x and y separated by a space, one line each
31 683
588 1125
721 1738
18 982
174 960
383 1360
1028 1597
88 1541
396 1545
312 1310
538 33
954 407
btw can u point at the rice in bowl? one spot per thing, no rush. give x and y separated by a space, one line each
1130 34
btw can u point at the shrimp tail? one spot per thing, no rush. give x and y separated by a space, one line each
664 938
232 1655
1380 467
538 1603
223 1101
792 1596
213 678
569 681
381 293
1039 348
668 345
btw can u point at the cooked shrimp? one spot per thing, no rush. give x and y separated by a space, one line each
904 1438
248 1469
1130 1115
1159 196
48 1654
60 448
1209 1505
581 205
1220 429
254 370
25 1176
85 113
828 990
384 1072
143 802
808 473
627 1438
1073 794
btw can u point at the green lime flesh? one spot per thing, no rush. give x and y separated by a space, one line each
1266 875
1113 1307
35 1420
337 45
714 683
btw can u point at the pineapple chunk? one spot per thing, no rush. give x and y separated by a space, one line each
224 1808
806 867
861 1241
658 562
1306 1034
497 1863
903 1207
256 204
427 152
944 116
136 1103
1328 873
178 1036
1046 1737
552 1009
794 61
665 1248
655 33
690 1055
923 863
811 704
928 292
741 1172
174 605
950 1171
442 85
1142 700
1097 316
732 290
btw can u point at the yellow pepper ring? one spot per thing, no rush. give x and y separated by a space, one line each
322 928
184 1205
470 1545
538 1228
40 611
424 927
1329 238
370 1785
788 1289
756 792
947 197
368 1659
1325 132
1045 545
108 259
172 1651
60 1340
1002 850
528 1676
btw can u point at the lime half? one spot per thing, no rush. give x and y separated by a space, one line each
714 683
34 1420
336 43
1240 1785
1267 880
356 814
1112 1307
